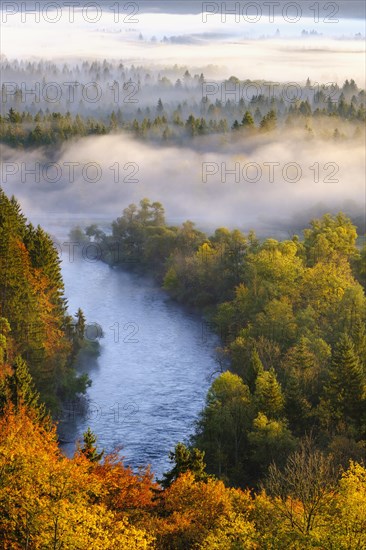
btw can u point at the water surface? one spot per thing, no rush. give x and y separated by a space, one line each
156 364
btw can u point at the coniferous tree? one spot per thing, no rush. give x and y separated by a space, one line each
248 121
89 448
345 388
252 369
268 394
80 324
269 121
18 388
185 459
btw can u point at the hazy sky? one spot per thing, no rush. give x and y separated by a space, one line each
201 39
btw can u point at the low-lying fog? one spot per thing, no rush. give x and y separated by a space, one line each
249 185
333 52
190 181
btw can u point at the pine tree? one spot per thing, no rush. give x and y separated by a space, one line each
160 106
185 460
269 121
89 448
44 255
248 121
18 388
268 394
297 408
31 298
254 367
345 388
80 324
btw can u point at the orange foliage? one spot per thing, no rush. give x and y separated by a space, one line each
125 490
54 341
50 501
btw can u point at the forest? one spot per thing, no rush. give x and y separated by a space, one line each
169 106
291 318
36 327
182 275
277 456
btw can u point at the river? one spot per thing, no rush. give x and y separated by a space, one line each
156 362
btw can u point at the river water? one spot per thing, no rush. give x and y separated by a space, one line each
156 363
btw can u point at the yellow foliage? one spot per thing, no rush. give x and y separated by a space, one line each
233 532
50 501
347 527
201 513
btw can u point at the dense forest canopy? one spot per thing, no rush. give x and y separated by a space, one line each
291 317
34 322
286 416
247 381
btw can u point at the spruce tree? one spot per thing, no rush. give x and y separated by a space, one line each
18 388
185 460
268 394
247 121
252 370
89 448
345 388
297 408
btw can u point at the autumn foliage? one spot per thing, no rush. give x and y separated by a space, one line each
34 322
295 335
50 501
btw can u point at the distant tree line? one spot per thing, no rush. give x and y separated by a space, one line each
336 113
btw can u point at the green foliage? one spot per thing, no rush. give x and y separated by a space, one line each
18 388
248 121
328 237
270 441
345 394
291 316
269 121
268 394
224 423
172 123
32 300
50 501
280 308
89 448
185 460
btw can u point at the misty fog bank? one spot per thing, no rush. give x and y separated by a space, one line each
272 50
257 185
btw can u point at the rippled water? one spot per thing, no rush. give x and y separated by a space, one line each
156 364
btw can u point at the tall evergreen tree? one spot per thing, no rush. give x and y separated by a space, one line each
185 459
248 121
19 389
89 448
346 384
268 394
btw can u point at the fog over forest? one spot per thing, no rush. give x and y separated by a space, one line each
177 175
146 60
183 275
